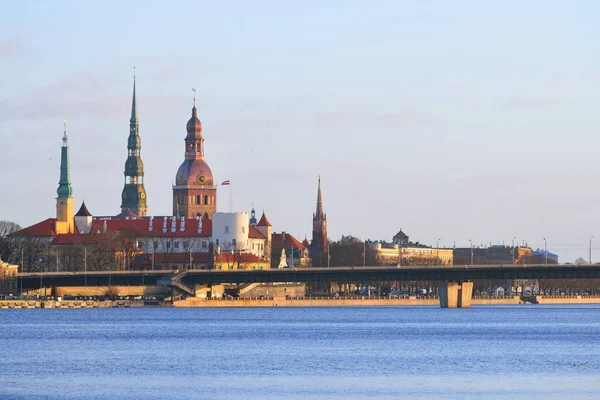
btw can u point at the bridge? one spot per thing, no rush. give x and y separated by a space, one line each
455 281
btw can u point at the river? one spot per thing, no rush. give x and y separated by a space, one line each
491 352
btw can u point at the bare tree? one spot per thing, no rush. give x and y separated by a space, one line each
8 245
580 261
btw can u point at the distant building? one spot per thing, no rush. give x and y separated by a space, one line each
8 278
318 246
404 252
297 254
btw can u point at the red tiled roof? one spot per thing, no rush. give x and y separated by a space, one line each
263 221
142 227
277 242
45 228
253 233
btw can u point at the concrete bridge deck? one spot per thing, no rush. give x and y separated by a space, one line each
336 274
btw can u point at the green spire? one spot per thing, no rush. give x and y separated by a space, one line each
64 190
134 113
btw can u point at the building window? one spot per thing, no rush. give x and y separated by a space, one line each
176 245
243 229
168 245
226 228
205 199
234 242
204 246
42 245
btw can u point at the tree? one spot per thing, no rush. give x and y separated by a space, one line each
8 245
580 261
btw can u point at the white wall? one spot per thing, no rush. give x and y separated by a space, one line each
230 228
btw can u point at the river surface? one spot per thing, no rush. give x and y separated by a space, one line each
493 352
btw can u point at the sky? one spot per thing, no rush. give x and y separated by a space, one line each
449 120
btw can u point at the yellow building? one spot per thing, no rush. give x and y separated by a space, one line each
412 253
8 277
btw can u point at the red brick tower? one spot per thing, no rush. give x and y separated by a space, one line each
194 192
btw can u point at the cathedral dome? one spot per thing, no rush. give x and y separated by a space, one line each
194 172
194 126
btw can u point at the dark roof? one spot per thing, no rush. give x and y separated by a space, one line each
400 234
83 211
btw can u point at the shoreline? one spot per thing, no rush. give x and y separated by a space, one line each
195 302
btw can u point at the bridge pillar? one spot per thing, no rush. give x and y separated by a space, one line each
455 294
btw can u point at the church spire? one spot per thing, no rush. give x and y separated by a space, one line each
319 215
64 202
134 194
64 190
134 114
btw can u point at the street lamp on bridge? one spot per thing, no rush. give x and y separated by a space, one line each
470 241
437 250
591 237
545 251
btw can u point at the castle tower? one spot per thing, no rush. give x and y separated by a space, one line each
319 234
83 220
253 217
194 192
65 206
133 197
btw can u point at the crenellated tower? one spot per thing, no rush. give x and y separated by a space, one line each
194 192
133 197
319 234
65 206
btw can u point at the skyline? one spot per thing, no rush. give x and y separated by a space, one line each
432 120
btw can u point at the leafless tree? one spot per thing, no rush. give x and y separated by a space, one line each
8 250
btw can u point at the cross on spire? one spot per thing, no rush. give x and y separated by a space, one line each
194 90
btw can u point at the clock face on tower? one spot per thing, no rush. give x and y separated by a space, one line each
201 178
143 195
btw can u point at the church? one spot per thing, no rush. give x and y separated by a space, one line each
194 236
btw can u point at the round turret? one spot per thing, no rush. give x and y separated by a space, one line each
194 126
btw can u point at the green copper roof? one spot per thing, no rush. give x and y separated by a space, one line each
134 113
64 190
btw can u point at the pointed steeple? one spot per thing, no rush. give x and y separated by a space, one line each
134 193
134 113
64 190
319 215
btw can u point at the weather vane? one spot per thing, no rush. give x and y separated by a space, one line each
194 90
134 72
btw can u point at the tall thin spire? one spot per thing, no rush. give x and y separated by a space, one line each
319 214
64 190
134 113
134 194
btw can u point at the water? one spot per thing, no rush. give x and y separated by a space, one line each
296 353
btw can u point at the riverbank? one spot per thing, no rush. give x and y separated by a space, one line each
192 302
331 302
70 304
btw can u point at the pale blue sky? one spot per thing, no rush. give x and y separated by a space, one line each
451 120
